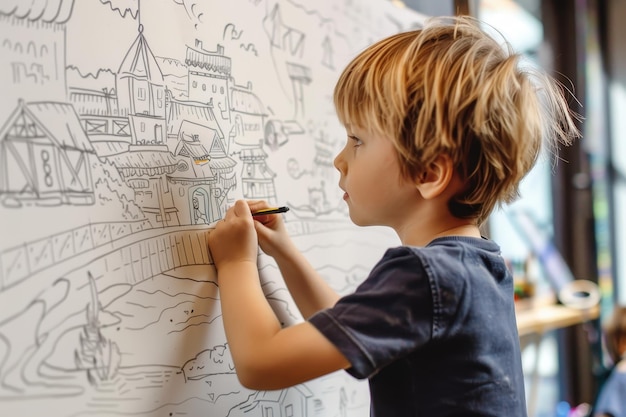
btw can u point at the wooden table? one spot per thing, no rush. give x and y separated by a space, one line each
535 318
542 317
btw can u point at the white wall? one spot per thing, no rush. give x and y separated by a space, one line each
110 176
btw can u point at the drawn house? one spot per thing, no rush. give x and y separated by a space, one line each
248 114
208 77
205 174
44 157
179 112
257 180
141 93
290 402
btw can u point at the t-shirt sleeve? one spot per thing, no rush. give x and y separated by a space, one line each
611 398
388 316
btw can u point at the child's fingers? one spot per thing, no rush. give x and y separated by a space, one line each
256 205
242 209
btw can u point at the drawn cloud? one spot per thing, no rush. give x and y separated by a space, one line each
123 7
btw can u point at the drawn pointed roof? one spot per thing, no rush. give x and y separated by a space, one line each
279 395
188 111
140 62
57 121
189 143
192 134
201 142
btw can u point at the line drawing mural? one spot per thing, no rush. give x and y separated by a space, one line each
127 128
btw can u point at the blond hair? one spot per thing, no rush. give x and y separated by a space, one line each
450 88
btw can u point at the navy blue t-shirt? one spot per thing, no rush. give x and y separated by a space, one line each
433 329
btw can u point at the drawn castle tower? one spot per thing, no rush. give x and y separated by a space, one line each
141 93
141 96
208 78
32 46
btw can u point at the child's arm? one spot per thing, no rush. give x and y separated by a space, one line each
308 289
265 355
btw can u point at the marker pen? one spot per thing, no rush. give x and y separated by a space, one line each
271 210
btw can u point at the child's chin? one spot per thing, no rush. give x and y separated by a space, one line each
359 220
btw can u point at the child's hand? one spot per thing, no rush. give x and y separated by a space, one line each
270 229
234 239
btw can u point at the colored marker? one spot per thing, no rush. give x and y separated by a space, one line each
271 210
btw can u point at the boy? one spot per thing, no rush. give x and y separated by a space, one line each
442 124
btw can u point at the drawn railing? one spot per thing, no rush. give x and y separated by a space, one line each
138 251
21 262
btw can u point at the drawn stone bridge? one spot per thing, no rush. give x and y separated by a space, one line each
127 252
123 252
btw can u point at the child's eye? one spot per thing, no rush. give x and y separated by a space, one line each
357 141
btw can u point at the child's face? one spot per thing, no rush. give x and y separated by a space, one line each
375 190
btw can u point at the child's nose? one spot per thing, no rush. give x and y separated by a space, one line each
340 162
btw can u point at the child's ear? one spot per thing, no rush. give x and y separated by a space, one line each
436 178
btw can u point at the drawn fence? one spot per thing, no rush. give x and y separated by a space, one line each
154 251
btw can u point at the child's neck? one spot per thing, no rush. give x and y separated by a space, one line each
423 231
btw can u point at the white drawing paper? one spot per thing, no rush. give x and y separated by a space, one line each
127 128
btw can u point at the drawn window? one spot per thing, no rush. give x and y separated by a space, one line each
32 49
289 410
47 164
141 93
268 412
214 88
195 84
143 127
222 90
203 87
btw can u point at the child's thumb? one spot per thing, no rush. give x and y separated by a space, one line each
242 209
